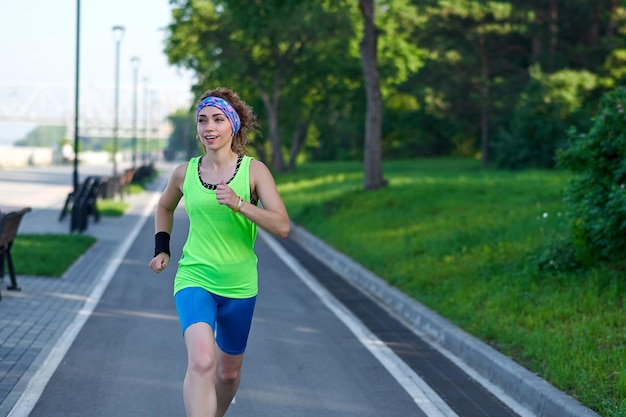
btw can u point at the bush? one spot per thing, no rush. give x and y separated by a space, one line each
597 193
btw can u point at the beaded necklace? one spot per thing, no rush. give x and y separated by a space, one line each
214 186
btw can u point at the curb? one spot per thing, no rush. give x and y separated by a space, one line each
529 390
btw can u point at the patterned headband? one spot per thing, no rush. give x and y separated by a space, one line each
225 107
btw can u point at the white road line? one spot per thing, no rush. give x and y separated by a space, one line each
417 388
38 382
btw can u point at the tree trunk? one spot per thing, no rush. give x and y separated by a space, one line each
484 111
271 105
299 135
554 32
373 116
278 163
594 29
260 151
610 29
537 45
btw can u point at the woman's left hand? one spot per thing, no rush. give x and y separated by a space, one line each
226 196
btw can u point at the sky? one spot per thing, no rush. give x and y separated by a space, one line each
38 47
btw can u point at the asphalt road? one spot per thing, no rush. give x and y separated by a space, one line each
129 358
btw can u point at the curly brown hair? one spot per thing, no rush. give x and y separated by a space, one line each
246 115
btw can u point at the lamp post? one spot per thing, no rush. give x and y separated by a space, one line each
146 109
155 108
135 62
118 35
76 89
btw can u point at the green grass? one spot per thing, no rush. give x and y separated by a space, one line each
48 255
466 241
116 208
112 208
134 188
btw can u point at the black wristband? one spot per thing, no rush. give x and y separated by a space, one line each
162 243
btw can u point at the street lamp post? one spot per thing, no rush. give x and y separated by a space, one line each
118 35
146 110
135 62
76 89
155 108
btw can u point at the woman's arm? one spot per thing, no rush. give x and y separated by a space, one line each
164 216
272 216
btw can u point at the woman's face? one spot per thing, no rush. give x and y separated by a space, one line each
214 128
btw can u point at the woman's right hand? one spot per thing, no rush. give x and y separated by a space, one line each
160 262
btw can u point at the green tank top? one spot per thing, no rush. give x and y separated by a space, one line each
219 252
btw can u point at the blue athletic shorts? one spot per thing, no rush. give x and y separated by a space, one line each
230 318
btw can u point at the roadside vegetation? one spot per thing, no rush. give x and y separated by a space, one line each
48 255
112 208
475 245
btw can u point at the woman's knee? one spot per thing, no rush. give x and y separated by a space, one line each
201 361
228 367
200 350
228 375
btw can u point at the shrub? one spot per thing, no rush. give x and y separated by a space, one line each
597 193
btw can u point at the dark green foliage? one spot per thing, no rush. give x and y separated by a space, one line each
597 193
455 74
183 137
549 106
290 60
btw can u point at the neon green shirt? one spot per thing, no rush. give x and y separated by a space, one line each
219 252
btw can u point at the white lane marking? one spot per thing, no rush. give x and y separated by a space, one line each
38 382
420 392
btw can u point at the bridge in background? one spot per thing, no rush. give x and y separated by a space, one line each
53 105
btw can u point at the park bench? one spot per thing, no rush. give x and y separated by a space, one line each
125 180
118 185
142 172
82 204
9 223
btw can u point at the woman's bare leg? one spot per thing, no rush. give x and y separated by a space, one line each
199 388
227 378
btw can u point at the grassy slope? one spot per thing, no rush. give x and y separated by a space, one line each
465 242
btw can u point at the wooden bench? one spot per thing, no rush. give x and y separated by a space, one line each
117 185
142 172
9 223
125 180
82 204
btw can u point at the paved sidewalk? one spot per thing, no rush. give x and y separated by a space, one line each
33 320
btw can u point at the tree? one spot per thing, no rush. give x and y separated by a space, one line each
476 51
259 50
550 105
373 121
182 137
